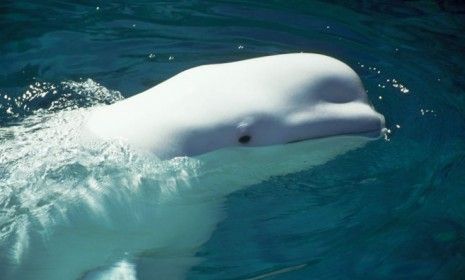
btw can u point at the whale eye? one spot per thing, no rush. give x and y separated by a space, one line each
244 139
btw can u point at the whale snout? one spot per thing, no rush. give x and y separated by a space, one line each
363 121
375 126
382 125
328 120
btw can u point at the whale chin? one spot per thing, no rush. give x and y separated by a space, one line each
367 135
370 134
257 164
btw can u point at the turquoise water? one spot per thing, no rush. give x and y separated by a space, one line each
393 209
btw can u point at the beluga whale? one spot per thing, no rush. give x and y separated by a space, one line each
264 101
143 189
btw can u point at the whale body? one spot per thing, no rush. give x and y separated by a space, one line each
133 189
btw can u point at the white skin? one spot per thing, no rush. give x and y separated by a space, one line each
266 103
202 112
272 100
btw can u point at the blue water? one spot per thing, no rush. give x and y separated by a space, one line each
393 209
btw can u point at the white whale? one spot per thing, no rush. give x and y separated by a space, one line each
217 128
257 102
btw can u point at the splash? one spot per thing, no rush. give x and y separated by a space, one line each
61 196
43 97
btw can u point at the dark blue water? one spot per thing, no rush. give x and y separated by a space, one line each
394 209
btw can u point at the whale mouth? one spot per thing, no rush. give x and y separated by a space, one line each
361 122
369 134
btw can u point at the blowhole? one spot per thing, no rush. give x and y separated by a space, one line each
244 139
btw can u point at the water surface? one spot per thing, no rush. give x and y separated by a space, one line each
393 209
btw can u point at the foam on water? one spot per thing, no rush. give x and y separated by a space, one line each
66 201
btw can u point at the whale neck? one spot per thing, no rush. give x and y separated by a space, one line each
238 167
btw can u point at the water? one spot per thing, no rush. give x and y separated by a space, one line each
393 209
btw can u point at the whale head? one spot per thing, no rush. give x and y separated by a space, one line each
261 102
